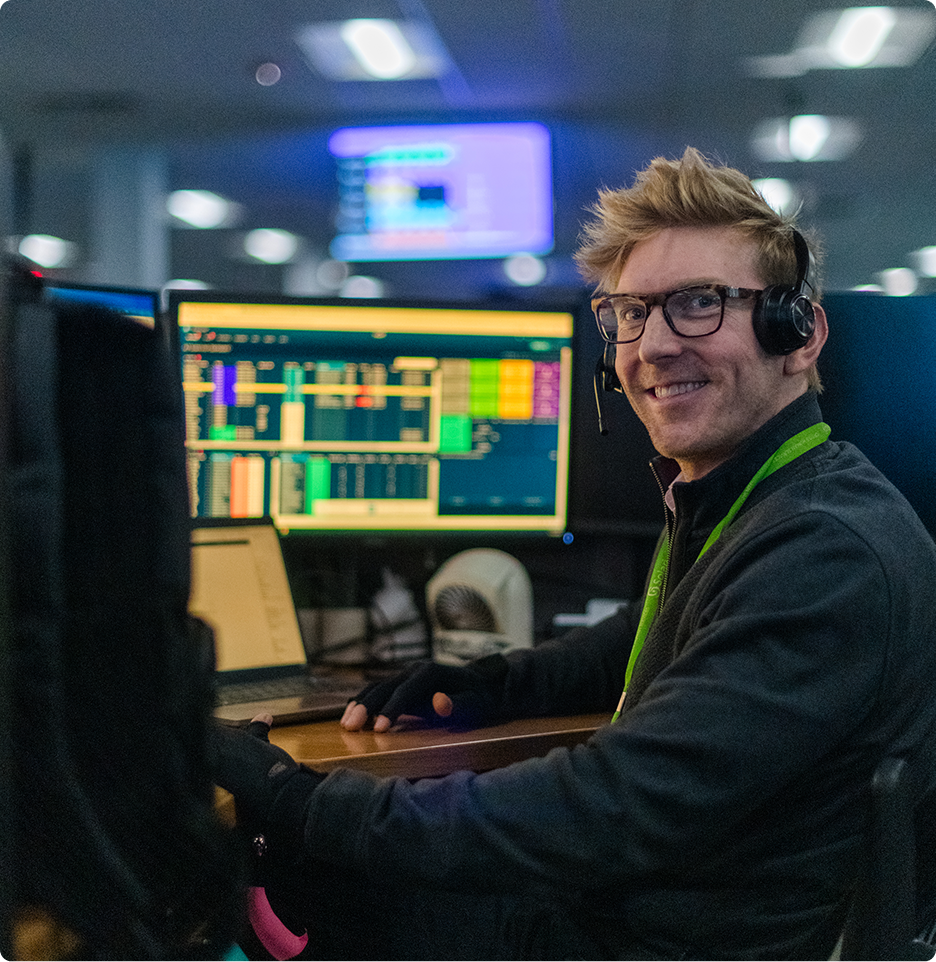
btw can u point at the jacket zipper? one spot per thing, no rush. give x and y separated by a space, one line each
670 534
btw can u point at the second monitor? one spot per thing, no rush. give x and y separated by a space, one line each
375 416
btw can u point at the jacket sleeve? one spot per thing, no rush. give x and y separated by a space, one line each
582 671
744 731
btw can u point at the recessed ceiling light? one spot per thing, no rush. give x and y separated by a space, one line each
805 137
363 49
379 47
925 259
331 274
271 246
47 251
360 285
859 35
780 194
808 134
199 208
185 284
898 281
850 38
525 270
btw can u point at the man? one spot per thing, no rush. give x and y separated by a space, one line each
786 625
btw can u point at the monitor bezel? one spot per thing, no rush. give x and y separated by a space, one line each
575 304
50 285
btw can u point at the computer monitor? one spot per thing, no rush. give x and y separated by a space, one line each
877 369
137 303
359 415
434 191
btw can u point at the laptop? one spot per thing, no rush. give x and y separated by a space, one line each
240 588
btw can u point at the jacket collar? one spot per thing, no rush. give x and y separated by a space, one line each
707 500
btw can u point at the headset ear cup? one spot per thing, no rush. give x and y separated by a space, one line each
784 319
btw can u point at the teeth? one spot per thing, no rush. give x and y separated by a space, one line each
684 387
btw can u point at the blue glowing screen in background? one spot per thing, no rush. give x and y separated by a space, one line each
444 191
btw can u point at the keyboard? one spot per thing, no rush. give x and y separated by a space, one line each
291 686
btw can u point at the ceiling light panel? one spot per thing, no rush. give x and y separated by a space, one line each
925 258
805 137
271 245
780 194
373 50
200 208
853 38
47 250
898 281
379 47
859 35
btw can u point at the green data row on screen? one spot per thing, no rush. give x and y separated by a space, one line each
483 392
318 482
454 433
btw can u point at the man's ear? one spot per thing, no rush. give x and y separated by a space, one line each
805 357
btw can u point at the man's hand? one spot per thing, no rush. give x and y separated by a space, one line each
250 768
464 696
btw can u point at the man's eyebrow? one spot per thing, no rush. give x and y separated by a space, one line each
683 285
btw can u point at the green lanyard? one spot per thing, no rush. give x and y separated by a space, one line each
791 449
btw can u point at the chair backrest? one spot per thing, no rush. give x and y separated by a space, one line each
7 798
885 920
113 834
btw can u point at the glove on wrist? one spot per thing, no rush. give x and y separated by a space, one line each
476 691
254 771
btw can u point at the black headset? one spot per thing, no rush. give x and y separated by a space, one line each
784 317
784 320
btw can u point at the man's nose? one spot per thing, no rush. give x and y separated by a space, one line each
658 338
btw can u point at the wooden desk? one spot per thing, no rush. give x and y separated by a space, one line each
414 751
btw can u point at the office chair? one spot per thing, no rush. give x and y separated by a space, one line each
883 921
111 847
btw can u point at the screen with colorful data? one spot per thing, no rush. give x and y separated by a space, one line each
442 191
376 416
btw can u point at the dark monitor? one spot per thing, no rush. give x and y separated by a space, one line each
436 191
877 367
377 416
139 304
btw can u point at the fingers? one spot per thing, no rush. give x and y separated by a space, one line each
354 717
385 699
382 724
442 704
418 690
260 725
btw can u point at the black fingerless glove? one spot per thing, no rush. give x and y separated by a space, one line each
255 772
476 691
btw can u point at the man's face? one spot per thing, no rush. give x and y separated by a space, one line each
699 397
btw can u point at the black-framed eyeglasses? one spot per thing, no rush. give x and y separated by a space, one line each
690 311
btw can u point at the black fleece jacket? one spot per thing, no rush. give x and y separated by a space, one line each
719 817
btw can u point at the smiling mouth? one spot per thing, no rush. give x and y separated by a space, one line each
683 387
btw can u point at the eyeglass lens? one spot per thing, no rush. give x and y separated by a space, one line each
692 313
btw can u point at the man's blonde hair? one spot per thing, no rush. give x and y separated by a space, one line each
689 192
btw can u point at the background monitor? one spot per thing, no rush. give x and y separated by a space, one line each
137 303
878 370
376 416
443 191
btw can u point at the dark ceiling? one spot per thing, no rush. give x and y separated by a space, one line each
617 82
